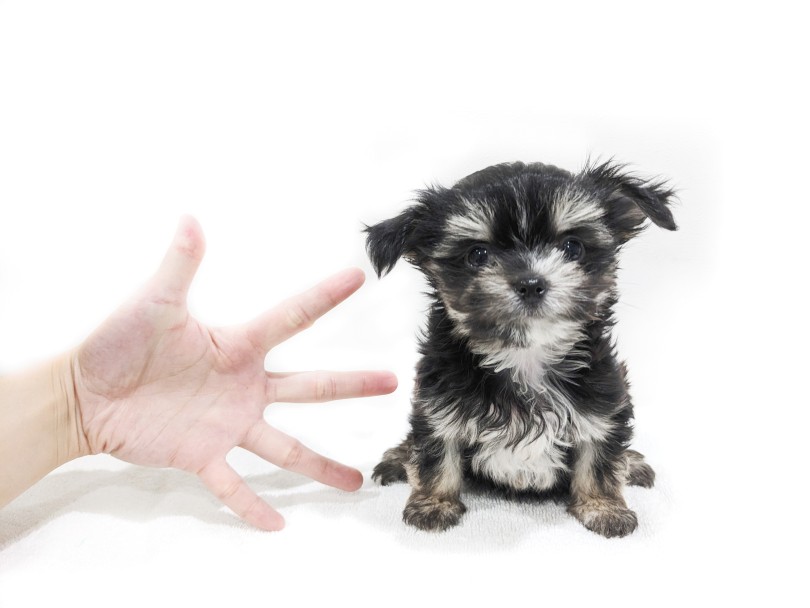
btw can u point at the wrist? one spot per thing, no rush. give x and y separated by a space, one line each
40 424
70 436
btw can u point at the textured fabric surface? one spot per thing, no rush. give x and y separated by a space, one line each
101 529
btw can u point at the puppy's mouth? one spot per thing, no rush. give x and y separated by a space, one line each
507 322
525 299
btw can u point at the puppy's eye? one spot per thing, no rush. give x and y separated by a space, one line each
478 256
573 249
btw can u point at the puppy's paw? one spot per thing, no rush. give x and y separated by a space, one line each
432 513
388 472
608 518
639 473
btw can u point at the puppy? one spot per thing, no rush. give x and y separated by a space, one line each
519 385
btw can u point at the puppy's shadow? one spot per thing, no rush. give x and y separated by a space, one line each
493 521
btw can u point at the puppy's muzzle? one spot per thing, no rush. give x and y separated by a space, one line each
531 290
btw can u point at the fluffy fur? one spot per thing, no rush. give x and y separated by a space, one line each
519 386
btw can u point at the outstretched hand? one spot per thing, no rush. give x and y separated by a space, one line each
156 387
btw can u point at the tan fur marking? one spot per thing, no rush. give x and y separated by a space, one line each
600 509
449 481
583 483
413 477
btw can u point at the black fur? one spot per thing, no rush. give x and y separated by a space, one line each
527 396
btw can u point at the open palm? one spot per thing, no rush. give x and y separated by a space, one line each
156 387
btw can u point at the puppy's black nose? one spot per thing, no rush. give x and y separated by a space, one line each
530 290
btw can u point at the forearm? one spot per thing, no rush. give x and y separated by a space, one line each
40 428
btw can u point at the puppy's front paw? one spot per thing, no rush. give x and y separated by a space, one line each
639 473
432 513
608 518
388 472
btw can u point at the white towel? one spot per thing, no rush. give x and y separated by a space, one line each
101 532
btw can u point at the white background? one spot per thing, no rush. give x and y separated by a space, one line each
283 127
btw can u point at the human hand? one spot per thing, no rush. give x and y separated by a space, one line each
156 387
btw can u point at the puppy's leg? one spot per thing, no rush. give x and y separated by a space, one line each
596 491
435 475
638 472
392 466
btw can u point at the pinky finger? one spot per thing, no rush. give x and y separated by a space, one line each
231 489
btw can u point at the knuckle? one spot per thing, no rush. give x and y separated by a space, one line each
299 317
256 507
294 455
270 391
228 490
327 469
326 388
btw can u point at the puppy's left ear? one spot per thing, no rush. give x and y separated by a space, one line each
631 200
390 240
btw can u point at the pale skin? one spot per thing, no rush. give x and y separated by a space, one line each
153 386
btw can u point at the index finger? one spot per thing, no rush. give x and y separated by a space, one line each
300 312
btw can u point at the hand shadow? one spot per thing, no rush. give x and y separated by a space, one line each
142 494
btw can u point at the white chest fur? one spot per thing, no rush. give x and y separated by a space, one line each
523 456
533 463
537 461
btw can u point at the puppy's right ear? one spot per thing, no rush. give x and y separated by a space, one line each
390 240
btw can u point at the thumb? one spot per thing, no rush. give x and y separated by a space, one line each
181 261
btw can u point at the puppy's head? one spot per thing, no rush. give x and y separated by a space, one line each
523 256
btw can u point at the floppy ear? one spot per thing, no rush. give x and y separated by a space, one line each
631 200
390 240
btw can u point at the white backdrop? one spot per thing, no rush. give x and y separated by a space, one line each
283 127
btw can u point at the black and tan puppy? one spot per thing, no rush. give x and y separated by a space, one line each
519 385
